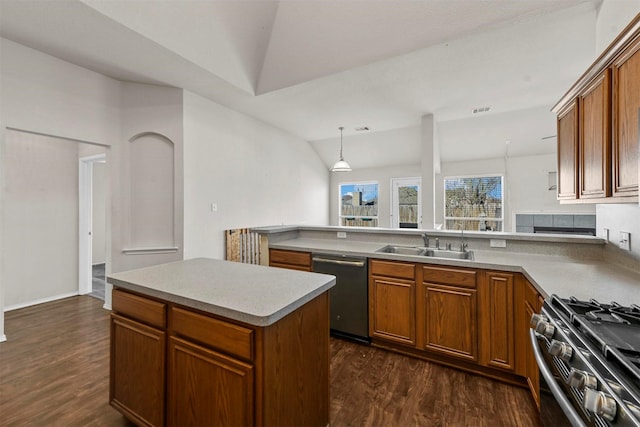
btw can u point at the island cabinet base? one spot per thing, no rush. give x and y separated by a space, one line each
218 372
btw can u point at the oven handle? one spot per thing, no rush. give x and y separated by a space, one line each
560 397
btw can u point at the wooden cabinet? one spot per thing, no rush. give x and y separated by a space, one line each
532 303
594 106
392 304
449 313
568 152
207 388
498 320
137 371
293 260
599 115
218 372
210 373
626 120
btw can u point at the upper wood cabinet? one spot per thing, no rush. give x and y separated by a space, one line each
568 152
598 120
594 106
626 120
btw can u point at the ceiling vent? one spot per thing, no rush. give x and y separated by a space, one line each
480 110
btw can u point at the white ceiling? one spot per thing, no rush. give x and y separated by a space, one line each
310 66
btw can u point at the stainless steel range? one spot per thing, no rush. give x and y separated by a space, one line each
589 359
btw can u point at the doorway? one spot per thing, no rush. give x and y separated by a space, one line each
92 226
406 202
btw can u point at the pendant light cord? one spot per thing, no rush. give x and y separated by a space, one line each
341 127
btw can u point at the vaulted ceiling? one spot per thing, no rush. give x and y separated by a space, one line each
310 66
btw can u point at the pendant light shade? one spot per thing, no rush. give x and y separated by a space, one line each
341 165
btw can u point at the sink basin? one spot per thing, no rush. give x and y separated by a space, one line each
403 250
442 253
428 252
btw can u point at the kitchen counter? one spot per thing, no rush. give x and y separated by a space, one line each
252 294
564 275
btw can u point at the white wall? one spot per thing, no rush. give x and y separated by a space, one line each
527 187
613 17
254 173
380 175
154 109
40 237
43 94
619 218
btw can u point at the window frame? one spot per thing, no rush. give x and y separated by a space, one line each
474 176
376 218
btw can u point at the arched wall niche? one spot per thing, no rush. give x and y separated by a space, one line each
152 192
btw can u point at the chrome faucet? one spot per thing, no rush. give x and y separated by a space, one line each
425 239
463 245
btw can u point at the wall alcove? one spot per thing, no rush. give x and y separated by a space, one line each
152 194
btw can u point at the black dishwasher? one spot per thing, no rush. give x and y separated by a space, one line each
348 299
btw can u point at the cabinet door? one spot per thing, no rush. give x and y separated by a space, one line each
137 371
498 339
568 152
626 112
451 321
595 139
531 366
392 309
206 388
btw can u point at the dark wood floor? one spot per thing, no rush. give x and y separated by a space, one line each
54 372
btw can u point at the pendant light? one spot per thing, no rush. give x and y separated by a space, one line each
341 165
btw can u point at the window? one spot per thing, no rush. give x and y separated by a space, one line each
359 204
474 203
406 202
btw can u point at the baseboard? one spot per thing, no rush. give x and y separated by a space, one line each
3 338
40 301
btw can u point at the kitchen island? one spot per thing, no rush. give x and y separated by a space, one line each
210 342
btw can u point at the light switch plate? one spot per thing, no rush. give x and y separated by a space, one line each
497 243
625 240
342 234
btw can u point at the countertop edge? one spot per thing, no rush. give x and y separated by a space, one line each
531 237
234 314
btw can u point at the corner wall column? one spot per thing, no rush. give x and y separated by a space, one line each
430 162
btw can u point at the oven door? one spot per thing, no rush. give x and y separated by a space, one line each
556 408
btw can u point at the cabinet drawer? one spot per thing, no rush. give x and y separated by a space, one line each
393 269
449 276
277 256
228 337
142 309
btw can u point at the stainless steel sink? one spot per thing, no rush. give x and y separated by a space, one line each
403 250
442 253
427 252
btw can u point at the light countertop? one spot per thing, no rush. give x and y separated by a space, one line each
252 294
551 274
